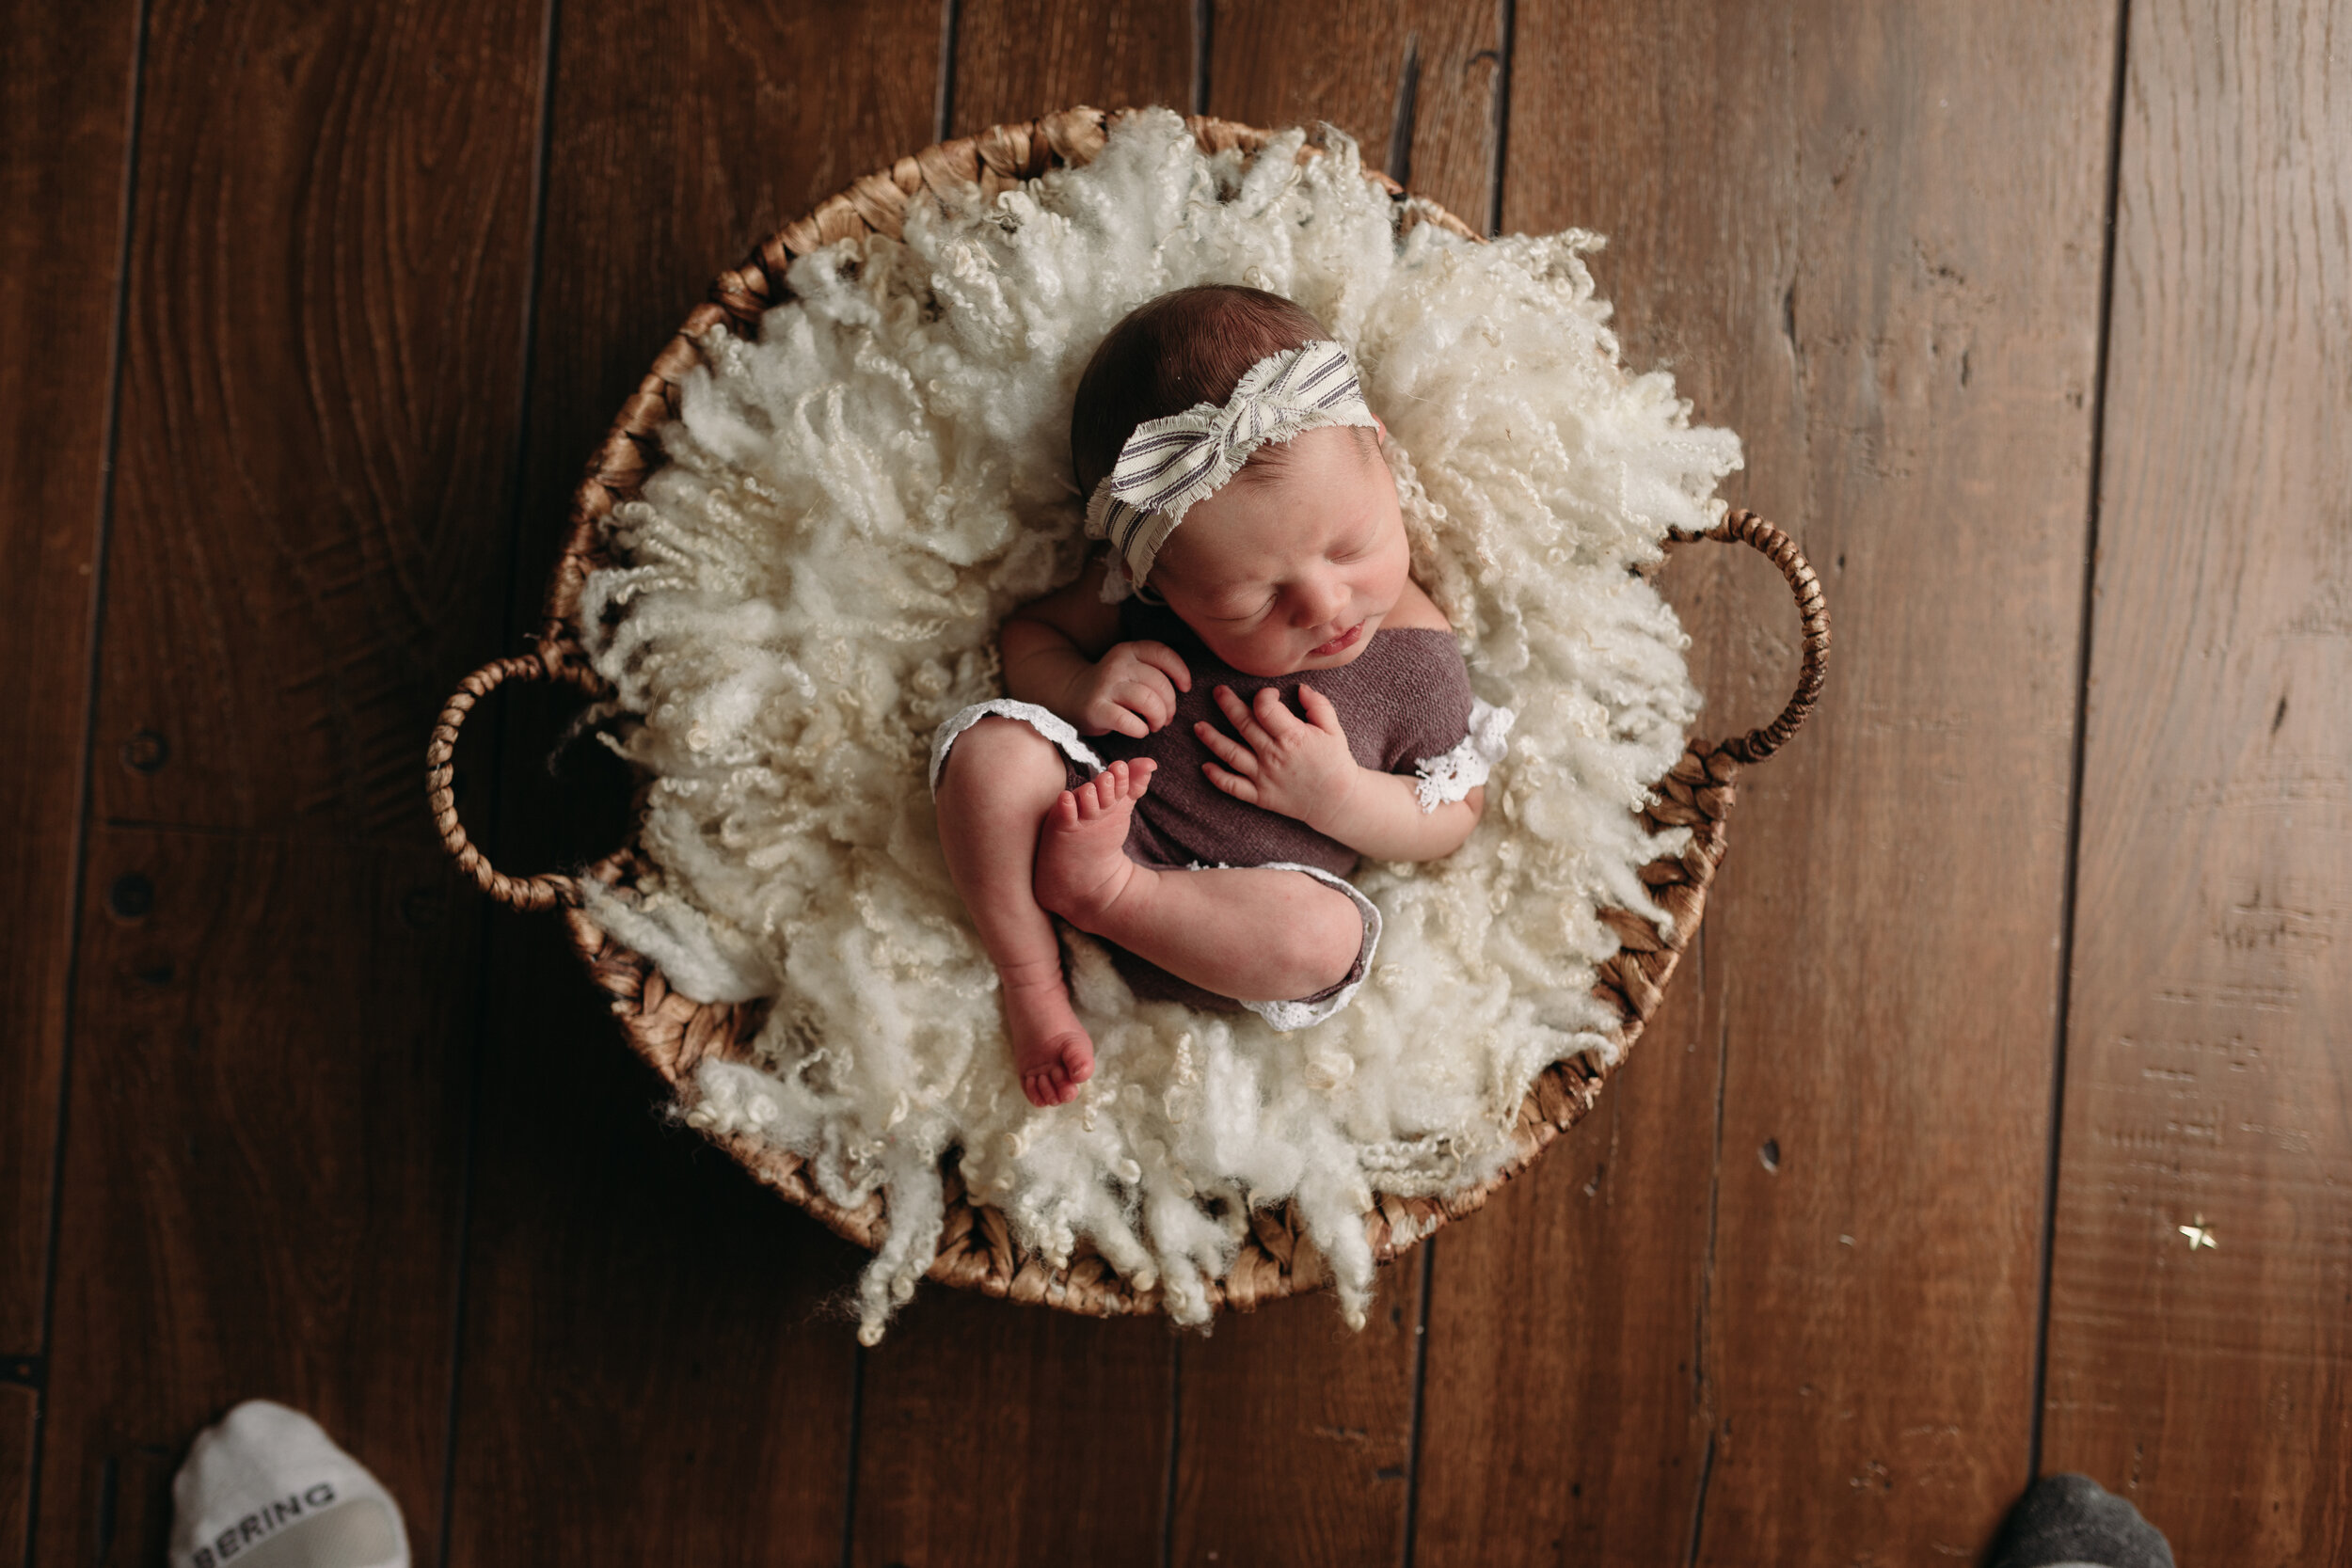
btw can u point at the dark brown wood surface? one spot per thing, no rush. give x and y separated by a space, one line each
264 1163
2212 1007
1416 83
1008 1437
1851 256
643 1327
1296 1439
337 1133
20 1416
1567 1405
260 1201
642 1324
1014 61
65 117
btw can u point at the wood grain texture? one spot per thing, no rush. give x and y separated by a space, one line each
649 1367
262 1173
1867 235
65 117
1296 1440
2213 944
1017 59
998 1433
264 1161
1880 262
1415 82
328 265
1567 1407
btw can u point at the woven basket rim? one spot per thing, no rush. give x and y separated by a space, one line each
674 1033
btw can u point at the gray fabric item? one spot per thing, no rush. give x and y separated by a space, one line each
1407 696
2066 1520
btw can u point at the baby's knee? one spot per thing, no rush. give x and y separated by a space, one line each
999 755
1326 939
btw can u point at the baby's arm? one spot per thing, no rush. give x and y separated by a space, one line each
1302 767
1381 817
1063 654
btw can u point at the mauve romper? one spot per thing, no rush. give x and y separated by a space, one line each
1404 698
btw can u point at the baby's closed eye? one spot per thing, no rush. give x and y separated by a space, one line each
1237 609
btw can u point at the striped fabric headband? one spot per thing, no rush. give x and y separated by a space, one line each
1168 464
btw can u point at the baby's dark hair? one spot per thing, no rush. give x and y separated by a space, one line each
1190 346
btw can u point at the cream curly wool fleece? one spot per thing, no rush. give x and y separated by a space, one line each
814 580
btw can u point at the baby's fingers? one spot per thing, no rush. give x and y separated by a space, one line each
1167 660
1232 752
1150 699
1278 718
1238 712
1320 713
1233 784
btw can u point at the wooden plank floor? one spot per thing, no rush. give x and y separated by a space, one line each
2035 318
2209 1027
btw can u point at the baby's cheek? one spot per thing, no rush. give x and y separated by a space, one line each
1260 654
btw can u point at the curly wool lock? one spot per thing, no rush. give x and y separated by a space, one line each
814 580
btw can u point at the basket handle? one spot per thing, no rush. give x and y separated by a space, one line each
532 894
1749 529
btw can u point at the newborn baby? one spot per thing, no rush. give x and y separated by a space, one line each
1273 694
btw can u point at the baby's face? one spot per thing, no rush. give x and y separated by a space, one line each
1294 570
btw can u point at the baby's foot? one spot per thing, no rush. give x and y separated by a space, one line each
1082 864
1050 1048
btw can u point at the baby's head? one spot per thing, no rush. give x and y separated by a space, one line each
1294 561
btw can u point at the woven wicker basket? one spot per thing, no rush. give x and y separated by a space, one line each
675 1033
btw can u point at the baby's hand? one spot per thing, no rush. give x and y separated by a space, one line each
1132 689
1299 767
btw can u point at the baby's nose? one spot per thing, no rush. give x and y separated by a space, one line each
1318 600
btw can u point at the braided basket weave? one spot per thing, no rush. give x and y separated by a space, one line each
675 1034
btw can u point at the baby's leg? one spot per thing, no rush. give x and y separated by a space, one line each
1000 779
1253 935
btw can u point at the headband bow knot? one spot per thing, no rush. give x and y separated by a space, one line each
1166 464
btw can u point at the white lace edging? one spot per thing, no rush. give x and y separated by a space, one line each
1300 1015
1453 774
1045 721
